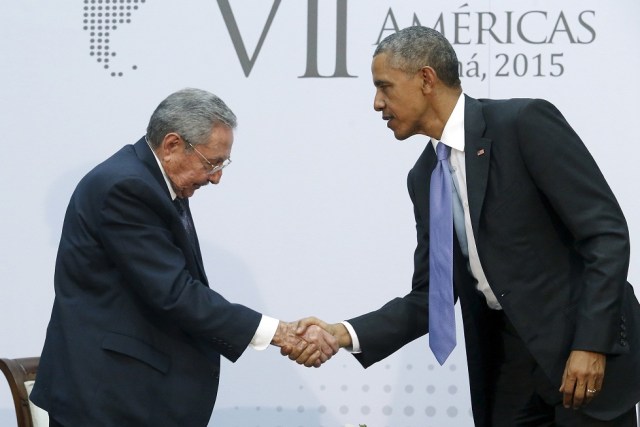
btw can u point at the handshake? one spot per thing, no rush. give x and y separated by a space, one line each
310 341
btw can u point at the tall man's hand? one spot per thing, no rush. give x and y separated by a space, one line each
582 378
313 346
313 325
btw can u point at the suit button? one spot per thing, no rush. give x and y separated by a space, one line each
623 327
623 334
623 342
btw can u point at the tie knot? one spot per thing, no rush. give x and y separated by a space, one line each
442 151
180 205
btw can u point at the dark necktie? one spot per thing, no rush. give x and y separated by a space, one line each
442 322
182 206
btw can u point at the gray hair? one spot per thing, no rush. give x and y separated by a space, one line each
415 47
191 113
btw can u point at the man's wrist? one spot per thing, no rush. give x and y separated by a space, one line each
265 333
346 336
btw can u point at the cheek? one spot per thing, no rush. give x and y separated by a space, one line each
187 178
178 174
409 111
398 106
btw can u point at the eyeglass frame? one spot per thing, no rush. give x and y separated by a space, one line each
212 168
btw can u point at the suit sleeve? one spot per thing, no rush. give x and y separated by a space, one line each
401 320
568 176
135 229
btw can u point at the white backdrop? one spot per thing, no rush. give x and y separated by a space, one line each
313 216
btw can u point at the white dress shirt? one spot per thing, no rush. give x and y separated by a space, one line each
453 136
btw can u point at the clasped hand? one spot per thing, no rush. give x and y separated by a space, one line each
315 341
309 344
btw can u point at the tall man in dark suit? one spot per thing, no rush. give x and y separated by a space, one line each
540 250
136 333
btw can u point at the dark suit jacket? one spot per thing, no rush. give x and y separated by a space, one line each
136 333
553 243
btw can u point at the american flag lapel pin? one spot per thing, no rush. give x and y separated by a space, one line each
480 152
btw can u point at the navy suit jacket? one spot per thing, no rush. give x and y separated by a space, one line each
136 334
554 246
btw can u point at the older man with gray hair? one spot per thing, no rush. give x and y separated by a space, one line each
136 331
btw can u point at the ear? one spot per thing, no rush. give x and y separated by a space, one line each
171 143
429 79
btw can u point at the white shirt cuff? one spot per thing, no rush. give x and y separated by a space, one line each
265 333
355 347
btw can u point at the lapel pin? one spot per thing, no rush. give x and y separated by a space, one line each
480 152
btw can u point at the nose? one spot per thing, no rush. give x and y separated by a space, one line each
215 177
378 103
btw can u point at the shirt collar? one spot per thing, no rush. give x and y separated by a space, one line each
164 174
453 132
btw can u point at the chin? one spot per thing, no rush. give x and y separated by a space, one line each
184 193
401 136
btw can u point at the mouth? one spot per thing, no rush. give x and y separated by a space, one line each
387 119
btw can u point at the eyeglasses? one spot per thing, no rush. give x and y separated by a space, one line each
211 168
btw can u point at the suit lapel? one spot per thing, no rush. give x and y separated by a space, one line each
477 158
144 153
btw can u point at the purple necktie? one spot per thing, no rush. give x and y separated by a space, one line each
182 206
442 322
